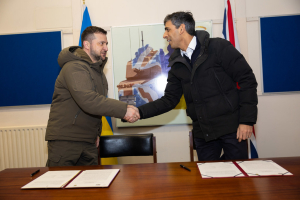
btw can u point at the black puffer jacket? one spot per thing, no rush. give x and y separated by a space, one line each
209 88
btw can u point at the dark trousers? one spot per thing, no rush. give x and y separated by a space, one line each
71 153
233 149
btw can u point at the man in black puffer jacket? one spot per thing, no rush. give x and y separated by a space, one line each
205 70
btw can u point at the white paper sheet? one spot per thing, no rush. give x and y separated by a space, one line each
262 168
94 178
52 179
219 170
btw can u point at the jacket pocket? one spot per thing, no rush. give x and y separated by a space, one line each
223 93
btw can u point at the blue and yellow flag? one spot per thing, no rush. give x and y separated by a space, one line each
86 21
107 130
106 121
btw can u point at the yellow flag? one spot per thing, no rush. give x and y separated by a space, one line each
181 104
107 130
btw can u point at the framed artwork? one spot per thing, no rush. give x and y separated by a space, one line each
140 68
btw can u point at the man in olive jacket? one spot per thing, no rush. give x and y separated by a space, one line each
205 70
79 102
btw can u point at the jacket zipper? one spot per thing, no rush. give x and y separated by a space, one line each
95 88
198 57
102 84
201 52
219 83
76 116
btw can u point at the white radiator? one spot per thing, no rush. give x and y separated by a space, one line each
23 147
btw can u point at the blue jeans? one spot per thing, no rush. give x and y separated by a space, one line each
233 149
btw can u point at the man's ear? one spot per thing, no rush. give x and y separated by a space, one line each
86 44
181 28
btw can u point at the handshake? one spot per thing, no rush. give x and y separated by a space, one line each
132 114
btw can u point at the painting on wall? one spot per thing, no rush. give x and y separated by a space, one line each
140 68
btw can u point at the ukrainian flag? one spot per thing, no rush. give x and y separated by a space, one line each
107 130
86 21
106 121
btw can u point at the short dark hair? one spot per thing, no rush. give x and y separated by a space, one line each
186 18
88 33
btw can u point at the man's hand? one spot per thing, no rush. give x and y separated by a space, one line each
97 141
244 132
132 114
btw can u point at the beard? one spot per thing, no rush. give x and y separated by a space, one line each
95 55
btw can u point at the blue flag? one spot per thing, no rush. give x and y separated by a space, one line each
86 21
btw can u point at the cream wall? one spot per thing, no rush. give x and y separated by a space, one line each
277 130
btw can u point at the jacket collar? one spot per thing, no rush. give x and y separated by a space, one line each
98 66
202 37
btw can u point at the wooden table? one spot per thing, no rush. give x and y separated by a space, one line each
160 181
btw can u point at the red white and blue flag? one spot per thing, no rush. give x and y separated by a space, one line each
252 146
230 34
229 30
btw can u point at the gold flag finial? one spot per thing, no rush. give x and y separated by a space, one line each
83 2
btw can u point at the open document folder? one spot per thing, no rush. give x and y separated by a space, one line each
73 179
241 169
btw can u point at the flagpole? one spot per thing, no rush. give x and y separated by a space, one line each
82 10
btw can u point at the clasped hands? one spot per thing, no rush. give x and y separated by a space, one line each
132 114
